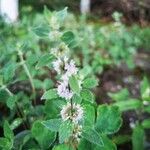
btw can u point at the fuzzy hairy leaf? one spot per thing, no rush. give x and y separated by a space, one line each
52 124
43 136
92 136
90 82
108 144
50 94
45 60
8 133
61 15
87 95
11 102
41 30
65 131
69 38
108 119
89 115
76 99
74 85
9 71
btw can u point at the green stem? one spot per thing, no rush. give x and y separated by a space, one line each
27 73
71 140
71 107
19 112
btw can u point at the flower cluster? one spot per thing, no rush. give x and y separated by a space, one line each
74 112
66 69
77 133
71 111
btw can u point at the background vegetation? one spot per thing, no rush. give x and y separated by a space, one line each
112 43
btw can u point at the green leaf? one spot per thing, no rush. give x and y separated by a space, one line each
38 84
16 123
62 147
146 123
45 60
41 30
130 104
50 94
85 71
3 95
5 143
146 109
52 107
48 83
87 95
8 133
121 139
65 131
74 85
76 99
9 71
43 136
11 102
21 138
108 119
108 144
1 80
69 38
92 136
85 145
138 138
90 82
122 95
61 14
47 13
145 89
89 115
52 124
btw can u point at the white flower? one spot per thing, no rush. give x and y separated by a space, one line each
64 47
66 59
54 51
73 112
63 91
57 65
54 35
77 133
79 112
71 68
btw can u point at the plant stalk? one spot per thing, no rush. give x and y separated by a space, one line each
27 73
19 112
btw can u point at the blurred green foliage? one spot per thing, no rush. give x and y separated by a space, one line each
24 77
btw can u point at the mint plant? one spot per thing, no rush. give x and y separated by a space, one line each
75 118
67 116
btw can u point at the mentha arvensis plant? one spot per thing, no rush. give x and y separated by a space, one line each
74 120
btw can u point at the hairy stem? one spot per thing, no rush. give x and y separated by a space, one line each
72 144
27 73
19 112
